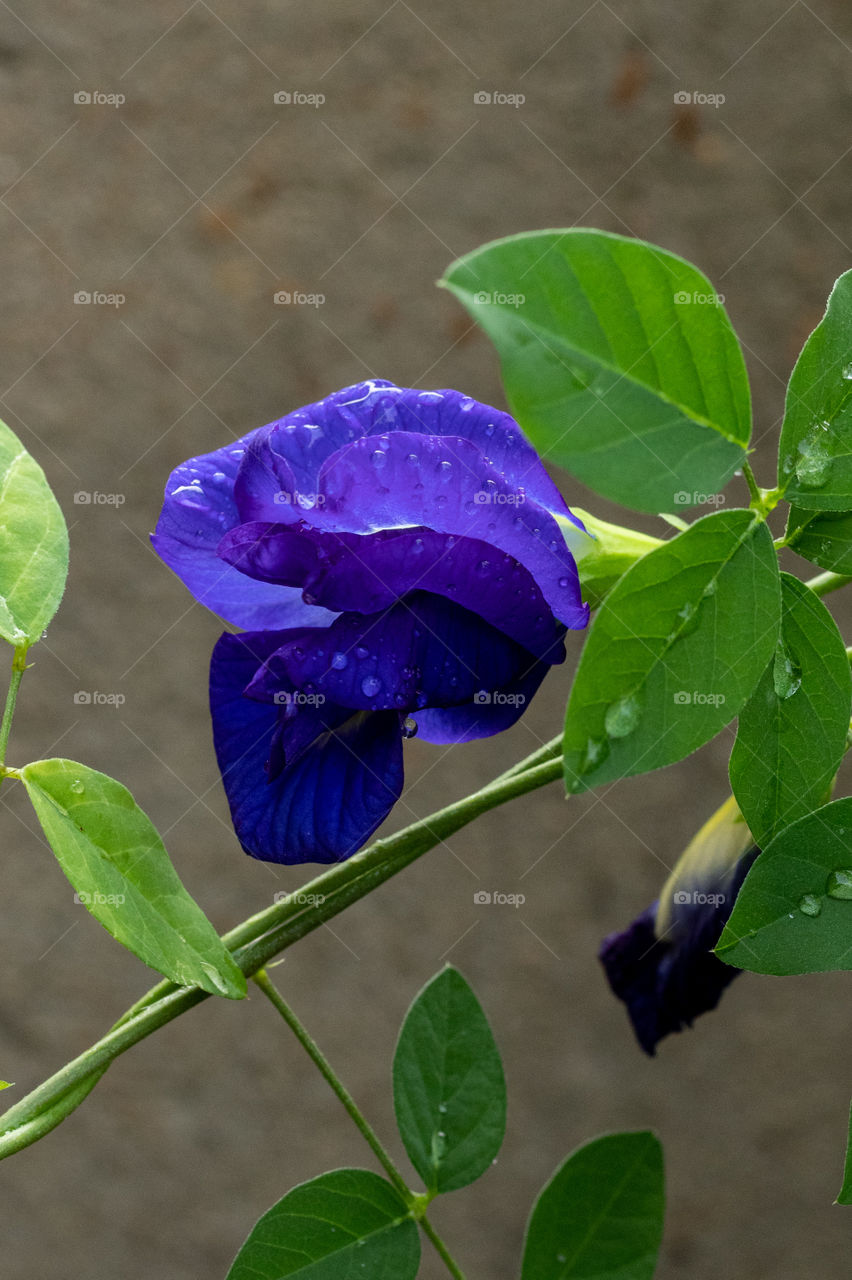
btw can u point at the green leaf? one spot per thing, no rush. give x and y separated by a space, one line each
815 451
794 911
676 649
844 1195
6 1084
601 1215
339 1226
114 857
641 395
823 537
448 1086
33 545
792 731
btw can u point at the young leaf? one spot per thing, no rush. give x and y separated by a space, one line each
601 1215
815 451
33 545
823 537
844 1195
676 649
792 731
448 1086
341 1225
618 360
113 856
794 911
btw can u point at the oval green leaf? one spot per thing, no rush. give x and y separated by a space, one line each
601 1215
792 731
815 451
794 911
448 1086
676 649
114 857
341 1225
618 361
823 537
33 545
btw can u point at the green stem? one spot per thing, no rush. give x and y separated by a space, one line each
825 582
416 1203
19 666
321 1062
753 487
256 941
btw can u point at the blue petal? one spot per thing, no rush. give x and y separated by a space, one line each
344 777
366 573
198 510
491 712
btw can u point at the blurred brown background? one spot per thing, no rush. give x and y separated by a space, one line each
197 198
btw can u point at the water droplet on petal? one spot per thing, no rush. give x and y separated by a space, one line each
409 727
339 661
809 905
361 652
378 458
77 787
623 716
370 686
564 582
840 884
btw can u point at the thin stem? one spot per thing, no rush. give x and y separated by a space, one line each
825 582
548 751
753 487
321 1062
441 1249
19 666
255 942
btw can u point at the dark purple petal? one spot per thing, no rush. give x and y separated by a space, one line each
491 711
335 775
424 651
666 982
366 573
198 510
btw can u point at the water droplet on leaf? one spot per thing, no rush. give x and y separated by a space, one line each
840 884
623 716
809 905
813 465
77 787
786 672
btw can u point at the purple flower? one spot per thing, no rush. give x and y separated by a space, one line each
394 554
663 966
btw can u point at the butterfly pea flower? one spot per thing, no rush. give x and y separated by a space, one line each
663 966
397 561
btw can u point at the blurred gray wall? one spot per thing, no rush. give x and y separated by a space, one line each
197 198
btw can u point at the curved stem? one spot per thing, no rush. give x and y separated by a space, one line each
19 666
825 582
321 1062
256 941
441 1249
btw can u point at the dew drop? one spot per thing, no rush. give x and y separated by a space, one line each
361 652
217 980
847 372
378 458
623 716
786 672
445 468
412 458
564 582
370 686
409 727
442 1107
710 589
809 905
339 661
840 884
597 750
813 464
77 787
